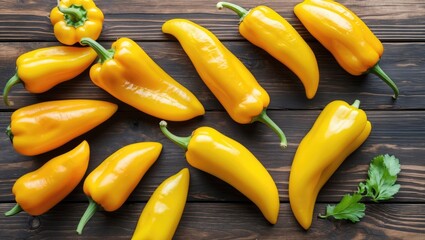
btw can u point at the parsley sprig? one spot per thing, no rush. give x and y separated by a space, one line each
380 185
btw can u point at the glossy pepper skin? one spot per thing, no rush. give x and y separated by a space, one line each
162 213
346 36
110 184
75 19
210 151
41 69
266 29
42 127
38 191
130 75
338 131
224 74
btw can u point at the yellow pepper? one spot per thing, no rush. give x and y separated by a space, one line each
42 127
75 19
163 211
38 191
265 28
346 36
338 131
40 70
130 75
210 151
110 184
224 74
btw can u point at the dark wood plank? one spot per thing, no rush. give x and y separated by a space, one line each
394 132
223 221
22 21
402 61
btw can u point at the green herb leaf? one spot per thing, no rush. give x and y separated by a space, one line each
349 208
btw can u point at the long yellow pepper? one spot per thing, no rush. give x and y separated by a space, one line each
338 131
111 183
210 151
41 69
265 28
130 75
42 127
162 213
38 191
224 74
346 36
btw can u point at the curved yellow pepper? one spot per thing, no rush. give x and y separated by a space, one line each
75 19
345 35
210 151
338 131
38 191
224 74
163 211
42 127
111 183
130 75
265 28
40 70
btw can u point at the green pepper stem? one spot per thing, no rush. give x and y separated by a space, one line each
356 103
382 75
15 210
9 133
88 214
182 142
101 51
242 12
264 118
74 13
12 82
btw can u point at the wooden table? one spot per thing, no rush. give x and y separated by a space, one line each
214 209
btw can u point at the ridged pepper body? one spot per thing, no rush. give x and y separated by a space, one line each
110 184
162 213
212 152
75 19
41 69
130 75
42 127
345 35
338 131
224 74
265 28
38 191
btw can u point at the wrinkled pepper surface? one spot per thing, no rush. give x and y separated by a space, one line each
110 184
41 69
75 19
39 191
338 131
224 74
210 151
346 36
130 75
265 28
162 213
42 127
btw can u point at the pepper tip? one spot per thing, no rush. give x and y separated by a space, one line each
283 145
163 123
219 5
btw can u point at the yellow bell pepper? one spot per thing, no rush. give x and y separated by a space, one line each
130 75
75 19
110 184
265 28
41 69
42 127
338 131
38 191
163 211
224 74
210 151
346 36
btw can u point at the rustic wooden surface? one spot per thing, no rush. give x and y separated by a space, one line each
215 210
